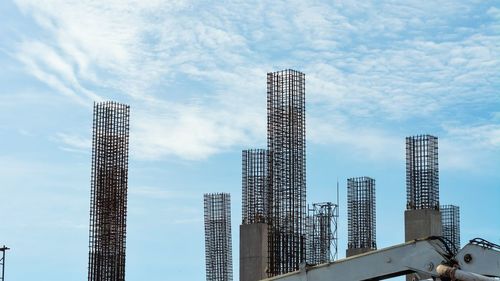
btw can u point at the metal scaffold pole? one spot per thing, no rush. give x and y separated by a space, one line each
2 261
322 233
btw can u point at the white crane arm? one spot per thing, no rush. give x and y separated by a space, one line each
419 256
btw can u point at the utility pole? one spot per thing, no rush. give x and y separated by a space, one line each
2 261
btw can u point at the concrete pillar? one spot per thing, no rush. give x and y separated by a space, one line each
253 251
420 224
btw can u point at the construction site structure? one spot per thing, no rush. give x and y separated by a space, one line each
286 141
321 229
426 259
450 220
422 215
255 179
361 217
422 173
255 214
108 199
218 248
2 262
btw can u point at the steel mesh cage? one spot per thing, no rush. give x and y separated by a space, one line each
361 213
450 219
422 172
218 248
108 200
287 168
255 178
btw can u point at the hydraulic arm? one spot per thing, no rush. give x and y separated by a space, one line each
479 258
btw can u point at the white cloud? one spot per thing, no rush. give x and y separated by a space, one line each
362 61
191 131
486 136
370 143
73 142
48 66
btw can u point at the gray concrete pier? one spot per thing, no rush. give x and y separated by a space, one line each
253 251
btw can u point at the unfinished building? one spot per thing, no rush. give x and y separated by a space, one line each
287 167
321 229
361 220
255 213
218 251
422 216
108 199
450 220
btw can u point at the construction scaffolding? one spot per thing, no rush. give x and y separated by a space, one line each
450 219
2 262
255 174
287 166
218 252
321 231
361 213
422 172
108 199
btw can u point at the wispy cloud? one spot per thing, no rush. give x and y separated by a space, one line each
485 136
370 143
390 61
73 142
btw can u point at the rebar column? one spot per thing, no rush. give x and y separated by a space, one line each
218 252
255 215
108 195
287 166
361 215
450 219
322 233
422 172
422 216
255 178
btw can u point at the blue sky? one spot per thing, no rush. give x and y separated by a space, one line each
194 73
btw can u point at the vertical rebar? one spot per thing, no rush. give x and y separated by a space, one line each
361 213
255 178
218 248
422 172
287 166
108 200
450 219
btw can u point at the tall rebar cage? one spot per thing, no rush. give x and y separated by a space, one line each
218 251
255 178
108 199
321 231
450 219
361 217
286 142
422 172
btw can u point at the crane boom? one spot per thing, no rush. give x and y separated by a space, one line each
418 256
